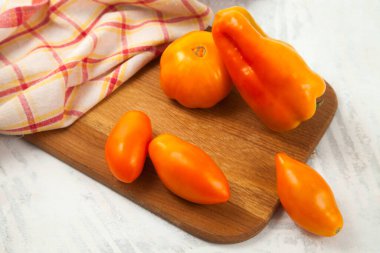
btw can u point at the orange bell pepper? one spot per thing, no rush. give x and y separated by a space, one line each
269 74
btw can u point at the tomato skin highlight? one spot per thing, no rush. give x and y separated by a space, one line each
306 197
188 171
192 71
127 146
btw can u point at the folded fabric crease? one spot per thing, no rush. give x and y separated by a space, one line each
60 58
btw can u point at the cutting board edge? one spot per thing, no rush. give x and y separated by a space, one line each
209 237
334 103
192 230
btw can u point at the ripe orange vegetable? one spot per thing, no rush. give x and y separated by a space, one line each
192 71
269 74
188 171
127 146
306 197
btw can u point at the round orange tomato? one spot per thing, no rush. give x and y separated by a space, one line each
188 171
127 146
192 72
306 197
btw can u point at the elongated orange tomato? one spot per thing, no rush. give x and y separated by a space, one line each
306 197
188 171
127 146
192 71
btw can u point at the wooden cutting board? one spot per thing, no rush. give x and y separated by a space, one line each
229 132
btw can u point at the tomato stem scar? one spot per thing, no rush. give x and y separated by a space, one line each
199 51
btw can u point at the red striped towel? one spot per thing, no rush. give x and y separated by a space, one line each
60 58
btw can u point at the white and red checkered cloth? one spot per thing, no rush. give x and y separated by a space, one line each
60 58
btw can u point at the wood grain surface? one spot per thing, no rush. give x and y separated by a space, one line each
229 132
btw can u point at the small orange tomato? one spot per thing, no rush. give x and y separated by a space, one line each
192 71
306 197
127 146
188 171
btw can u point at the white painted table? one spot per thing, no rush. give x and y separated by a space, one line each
47 206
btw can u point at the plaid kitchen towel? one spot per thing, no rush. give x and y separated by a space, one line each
60 58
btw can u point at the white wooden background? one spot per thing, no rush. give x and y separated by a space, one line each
47 206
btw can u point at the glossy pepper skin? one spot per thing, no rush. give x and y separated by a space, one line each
269 74
306 197
188 171
127 146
